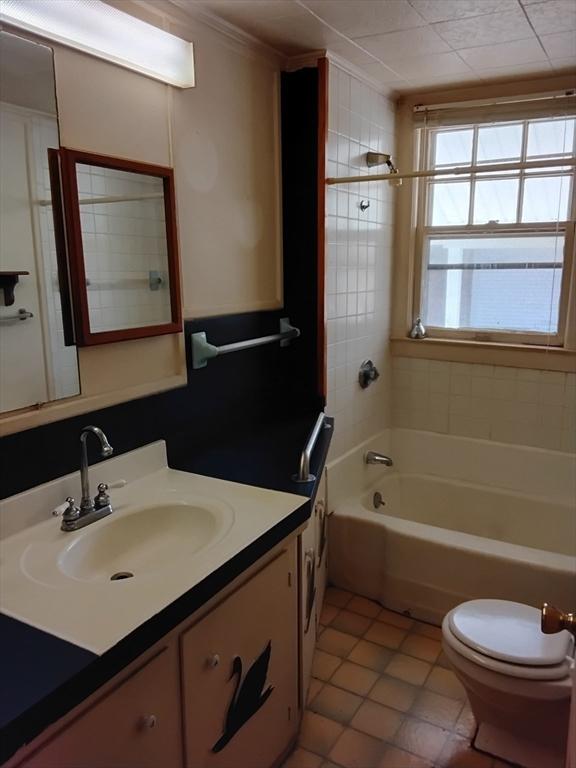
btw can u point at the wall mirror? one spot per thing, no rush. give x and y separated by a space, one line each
37 363
120 224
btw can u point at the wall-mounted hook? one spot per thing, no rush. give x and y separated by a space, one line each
364 205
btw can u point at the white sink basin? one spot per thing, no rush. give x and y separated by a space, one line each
145 541
170 529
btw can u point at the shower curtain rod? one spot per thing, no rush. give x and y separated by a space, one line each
462 170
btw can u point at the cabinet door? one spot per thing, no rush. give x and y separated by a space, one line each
321 518
137 725
240 674
308 600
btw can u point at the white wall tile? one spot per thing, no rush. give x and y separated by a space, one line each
509 405
358 263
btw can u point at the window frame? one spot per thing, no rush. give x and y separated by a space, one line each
424 149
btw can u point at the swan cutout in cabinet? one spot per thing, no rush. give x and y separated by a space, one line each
248 697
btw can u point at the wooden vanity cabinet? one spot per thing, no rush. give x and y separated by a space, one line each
239 671
136 725
169 711
313 560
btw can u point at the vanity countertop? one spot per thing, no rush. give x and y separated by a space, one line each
45 676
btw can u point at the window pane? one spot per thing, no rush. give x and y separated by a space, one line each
495 200
453 148
449 203
499 142
494 283
550 137
546 198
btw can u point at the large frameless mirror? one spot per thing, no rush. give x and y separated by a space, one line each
37 363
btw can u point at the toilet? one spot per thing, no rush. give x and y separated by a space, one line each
518 679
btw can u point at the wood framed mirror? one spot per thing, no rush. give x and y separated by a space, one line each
120 226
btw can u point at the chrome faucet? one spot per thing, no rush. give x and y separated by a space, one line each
90 509
371 457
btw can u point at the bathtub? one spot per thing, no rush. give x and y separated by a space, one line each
439 540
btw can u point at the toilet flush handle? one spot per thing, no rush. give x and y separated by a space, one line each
554 620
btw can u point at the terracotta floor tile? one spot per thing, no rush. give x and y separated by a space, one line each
421 647
466 724
383 694
364 607
336 704
398 758
457 753
394 693
354 678
422 739
376 720
428 630
409 669
324 664
329 612
444 681
318 734
385 634
370 655
396 619
314 688
352 623
437 709
301 758
335 642
337 597
356 750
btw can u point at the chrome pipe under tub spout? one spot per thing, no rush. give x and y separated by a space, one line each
303 475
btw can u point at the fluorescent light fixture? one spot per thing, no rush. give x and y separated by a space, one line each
99 29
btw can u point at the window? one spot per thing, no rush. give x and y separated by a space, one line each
495 249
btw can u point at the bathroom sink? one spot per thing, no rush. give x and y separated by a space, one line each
169 531
145 541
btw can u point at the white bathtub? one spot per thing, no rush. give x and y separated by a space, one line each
440 540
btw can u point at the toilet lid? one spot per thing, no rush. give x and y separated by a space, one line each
508 631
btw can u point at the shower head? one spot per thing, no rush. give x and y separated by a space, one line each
377 158
381 158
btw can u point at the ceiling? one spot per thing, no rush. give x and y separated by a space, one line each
405 45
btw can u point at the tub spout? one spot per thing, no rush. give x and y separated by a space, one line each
371 457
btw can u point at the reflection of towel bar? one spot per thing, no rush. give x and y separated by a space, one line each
202 350
154 281
23 314
110 199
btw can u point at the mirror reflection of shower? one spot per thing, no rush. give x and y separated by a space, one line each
35 364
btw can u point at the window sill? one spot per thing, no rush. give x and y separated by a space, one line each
487 353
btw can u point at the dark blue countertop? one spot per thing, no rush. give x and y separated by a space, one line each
44 677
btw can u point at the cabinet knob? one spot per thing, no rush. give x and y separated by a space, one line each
213 660
148 721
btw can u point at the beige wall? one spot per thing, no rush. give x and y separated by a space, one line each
222 139
226 158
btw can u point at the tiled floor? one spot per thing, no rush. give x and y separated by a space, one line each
382 696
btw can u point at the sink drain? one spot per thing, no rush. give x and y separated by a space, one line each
121 575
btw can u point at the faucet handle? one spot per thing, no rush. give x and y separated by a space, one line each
102 499
71 512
